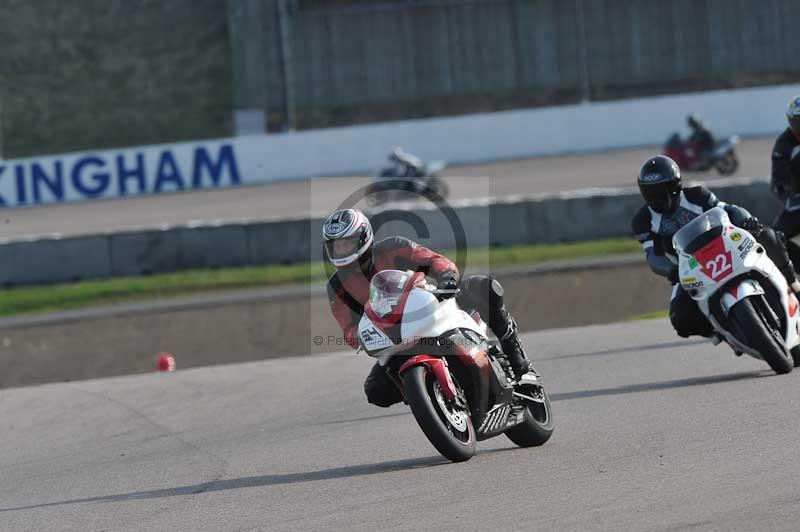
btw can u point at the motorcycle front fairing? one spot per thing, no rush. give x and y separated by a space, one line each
425 318
424 332
714 255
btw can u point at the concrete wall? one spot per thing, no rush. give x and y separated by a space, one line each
91 74
344 151
547 218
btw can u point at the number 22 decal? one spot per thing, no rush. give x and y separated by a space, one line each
715 260
719 265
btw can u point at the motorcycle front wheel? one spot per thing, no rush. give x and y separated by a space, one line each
757 332
446 424
537 426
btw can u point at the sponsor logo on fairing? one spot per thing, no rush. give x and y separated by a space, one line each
745 247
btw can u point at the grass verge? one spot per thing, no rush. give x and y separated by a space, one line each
22 300
655 315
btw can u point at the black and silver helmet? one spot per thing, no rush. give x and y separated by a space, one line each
347 235
660 184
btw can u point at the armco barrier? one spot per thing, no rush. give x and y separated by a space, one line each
547 218
51 260
283 241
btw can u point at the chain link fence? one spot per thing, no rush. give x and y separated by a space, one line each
309 63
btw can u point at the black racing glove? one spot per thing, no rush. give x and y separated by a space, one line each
751 224
450 287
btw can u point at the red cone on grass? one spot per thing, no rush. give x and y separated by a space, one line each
166 362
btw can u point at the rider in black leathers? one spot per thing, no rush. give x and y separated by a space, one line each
408 165
668 207
786 177
701 140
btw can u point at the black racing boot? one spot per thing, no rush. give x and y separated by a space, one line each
512 349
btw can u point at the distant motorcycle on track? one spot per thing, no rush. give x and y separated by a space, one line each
723 157
739 289
408 178
459 387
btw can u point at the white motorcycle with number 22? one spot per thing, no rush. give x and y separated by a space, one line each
738 287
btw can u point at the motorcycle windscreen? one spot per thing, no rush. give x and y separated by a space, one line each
701 231
386 291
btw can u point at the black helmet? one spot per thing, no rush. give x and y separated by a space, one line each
660 184
693 121
793 114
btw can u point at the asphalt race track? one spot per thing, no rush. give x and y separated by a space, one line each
653 433
526 176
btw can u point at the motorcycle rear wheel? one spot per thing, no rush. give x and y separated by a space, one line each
454 444
437 189
537 426
727 165
758 335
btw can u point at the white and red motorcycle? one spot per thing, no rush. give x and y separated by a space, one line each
459 387
741 291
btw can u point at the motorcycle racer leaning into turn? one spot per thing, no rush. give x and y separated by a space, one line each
668 207
347 235
786 177
406 164
701 140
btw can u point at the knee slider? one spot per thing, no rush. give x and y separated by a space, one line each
497 288
483 285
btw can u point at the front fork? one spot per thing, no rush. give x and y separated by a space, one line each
438 365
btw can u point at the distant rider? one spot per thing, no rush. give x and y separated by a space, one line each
701 140
668 207
348 238
786 177
405 164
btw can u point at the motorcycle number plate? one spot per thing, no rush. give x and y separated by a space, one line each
715 261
